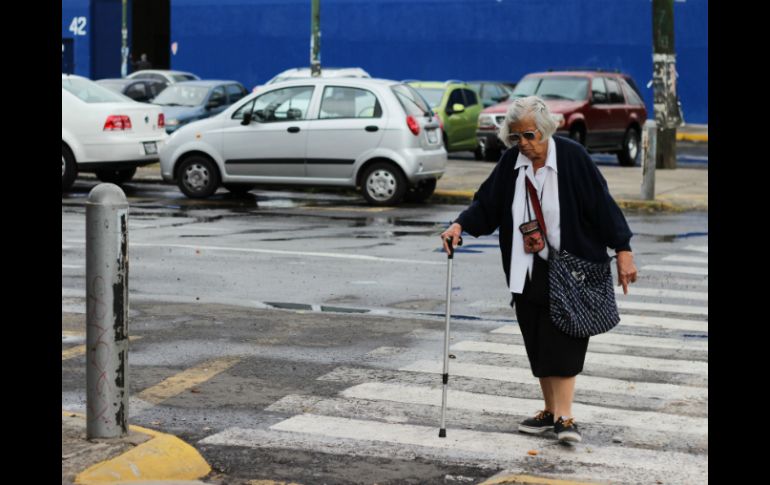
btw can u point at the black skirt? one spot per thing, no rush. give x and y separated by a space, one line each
551 352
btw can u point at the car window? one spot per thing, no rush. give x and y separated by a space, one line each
235 92
181 95
137 91
156 87
90 92
631 95
218 96
181 77
432 95
598 91
563 87
470 97
285 104
411 100
343 102
527 87
456 98
613 90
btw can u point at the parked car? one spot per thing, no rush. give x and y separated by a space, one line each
189 101
375 134
166 75
458 106
142 90
105 132
602 110
304 73
491 92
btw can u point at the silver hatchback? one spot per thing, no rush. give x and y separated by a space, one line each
373 134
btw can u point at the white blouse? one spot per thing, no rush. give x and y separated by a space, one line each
547 184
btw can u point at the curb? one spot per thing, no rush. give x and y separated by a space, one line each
164 457
692 137
530 480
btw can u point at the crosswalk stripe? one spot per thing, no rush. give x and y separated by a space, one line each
676 269
596 359
634 290
471 401
614 338
686 259
702 249
79 350
357 438
663 323
657 307
585 383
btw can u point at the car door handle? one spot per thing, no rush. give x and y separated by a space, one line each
293 129
372 128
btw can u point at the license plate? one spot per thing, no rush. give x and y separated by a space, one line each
432 138
150 148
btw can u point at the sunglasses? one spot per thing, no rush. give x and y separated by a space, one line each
527 135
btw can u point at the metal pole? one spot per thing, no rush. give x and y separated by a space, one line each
315 39
124 42
649 143
665 102
107 312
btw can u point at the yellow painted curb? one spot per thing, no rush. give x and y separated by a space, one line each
531 480
692 137
164 457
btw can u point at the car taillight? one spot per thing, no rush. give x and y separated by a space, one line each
161 121
414 127
117 122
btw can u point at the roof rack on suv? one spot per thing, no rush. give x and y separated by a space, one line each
454 81
597 69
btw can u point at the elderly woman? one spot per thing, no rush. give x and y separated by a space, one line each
580 216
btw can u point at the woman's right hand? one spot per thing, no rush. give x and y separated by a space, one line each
454 231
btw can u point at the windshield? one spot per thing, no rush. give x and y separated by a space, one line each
90 92
113 86
410 99
432 95
176 95
556 87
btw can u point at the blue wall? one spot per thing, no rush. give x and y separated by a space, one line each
70 10
252 40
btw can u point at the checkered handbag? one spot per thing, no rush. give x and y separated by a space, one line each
580 292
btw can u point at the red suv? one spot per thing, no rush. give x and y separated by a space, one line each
601 110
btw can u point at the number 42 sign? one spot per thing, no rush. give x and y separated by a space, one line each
78 26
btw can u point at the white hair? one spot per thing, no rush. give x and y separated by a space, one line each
522 108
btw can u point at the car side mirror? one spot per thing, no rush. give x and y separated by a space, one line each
458 108
247 117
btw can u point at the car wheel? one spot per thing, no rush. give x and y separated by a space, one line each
116 177
239 189
479 153
383 184
578 133
198 177
627 156
69 170
421 191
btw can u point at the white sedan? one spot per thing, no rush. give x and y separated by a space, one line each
105 132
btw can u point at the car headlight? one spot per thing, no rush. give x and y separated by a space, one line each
486 121
172 122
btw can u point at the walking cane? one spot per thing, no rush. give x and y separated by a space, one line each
445 375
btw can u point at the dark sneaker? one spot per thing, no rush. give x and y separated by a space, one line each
542 422
567 431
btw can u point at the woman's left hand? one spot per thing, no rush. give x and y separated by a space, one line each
626 270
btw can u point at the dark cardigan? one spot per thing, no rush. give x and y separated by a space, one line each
590 219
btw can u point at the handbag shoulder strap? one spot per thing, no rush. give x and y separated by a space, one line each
536 205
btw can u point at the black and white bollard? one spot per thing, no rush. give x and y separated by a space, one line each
107 312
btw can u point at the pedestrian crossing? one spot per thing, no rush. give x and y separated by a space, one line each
634 429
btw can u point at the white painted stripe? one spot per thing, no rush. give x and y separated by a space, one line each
634 290
677 269
499 450
628 340
702 249
72 266
658 307
664 323
497 446
596 359
482 403
585 383
686 259
688 282
360 257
